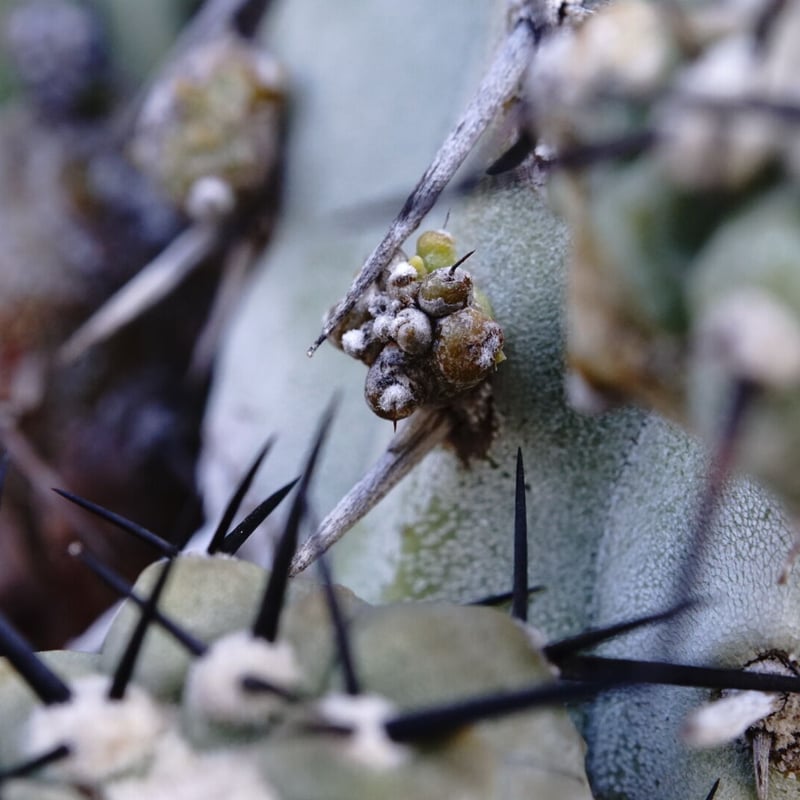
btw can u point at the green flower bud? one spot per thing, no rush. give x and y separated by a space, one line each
437 249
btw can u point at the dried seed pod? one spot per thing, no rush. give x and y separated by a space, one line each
394 388
413 331
466 347
391 329
445 291
437 249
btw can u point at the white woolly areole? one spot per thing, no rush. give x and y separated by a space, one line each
213 685
622 47
209 198
728 718
757 336
271 75
582 396
105 737
367 715
180 774
702 147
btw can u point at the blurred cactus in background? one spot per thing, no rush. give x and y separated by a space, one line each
116 420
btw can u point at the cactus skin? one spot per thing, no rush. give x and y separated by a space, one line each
592 493
413 655
594 543
635 742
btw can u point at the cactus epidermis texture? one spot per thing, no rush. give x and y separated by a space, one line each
602 548
408 657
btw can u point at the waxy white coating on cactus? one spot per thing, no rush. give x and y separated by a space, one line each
214 683
382 327
178 773
396 397
403 281
354 342
367 714
105 737
412 330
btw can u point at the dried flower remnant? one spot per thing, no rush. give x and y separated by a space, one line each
425 334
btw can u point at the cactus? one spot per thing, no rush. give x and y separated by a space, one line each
623 526
614 498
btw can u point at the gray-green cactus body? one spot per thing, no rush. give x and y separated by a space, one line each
409 657
682 285
213 596
210 595
523 748
445 532
506 758
17 701
637 746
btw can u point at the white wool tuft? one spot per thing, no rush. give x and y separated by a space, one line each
367 714
727 719
756 335
213 685
180 774
105 737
